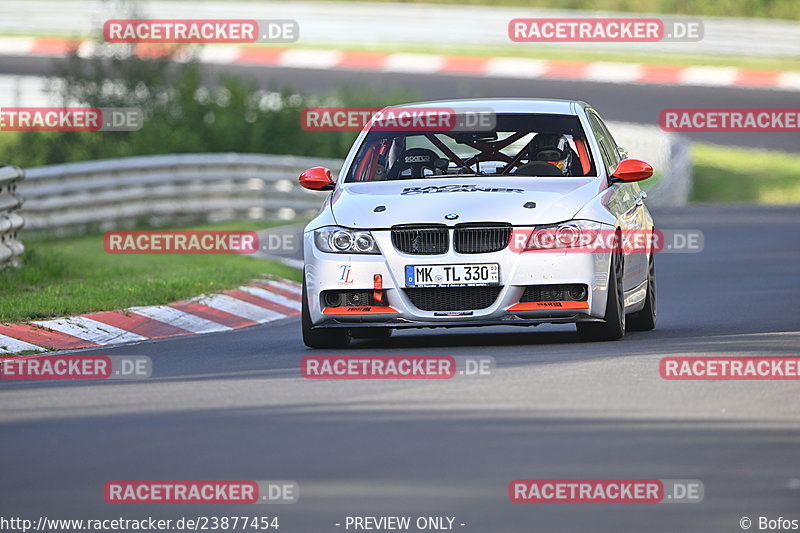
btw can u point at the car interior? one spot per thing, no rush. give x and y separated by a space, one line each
518 145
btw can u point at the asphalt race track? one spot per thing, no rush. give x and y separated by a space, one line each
619 102
233 406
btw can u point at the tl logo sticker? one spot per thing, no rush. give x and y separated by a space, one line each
345 279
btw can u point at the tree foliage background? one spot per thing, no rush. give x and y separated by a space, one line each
184 111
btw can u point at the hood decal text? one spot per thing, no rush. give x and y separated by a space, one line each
456 188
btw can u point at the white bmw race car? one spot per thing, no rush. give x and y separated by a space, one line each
519 217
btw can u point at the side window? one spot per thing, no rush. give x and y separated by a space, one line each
607 151
613 144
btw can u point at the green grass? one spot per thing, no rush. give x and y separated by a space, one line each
75 275
7 140
727 174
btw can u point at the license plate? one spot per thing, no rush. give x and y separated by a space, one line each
452 275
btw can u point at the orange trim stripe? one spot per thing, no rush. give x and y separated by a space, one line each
362 310
548 306
583 155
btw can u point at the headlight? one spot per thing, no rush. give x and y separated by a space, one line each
570 234
337 240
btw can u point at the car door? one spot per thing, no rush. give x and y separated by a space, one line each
626 203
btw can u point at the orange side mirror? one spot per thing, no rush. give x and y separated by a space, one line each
632 170
317 179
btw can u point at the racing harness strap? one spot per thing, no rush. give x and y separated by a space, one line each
583 156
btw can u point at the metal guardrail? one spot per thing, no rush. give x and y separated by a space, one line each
10 220
164 189
169 189
671 157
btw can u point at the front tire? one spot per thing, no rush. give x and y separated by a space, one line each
645 320
321 337
613 327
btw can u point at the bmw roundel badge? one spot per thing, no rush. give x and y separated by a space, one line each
451 216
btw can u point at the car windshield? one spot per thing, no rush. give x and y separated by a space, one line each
529 145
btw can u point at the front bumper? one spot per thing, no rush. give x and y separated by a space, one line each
327 271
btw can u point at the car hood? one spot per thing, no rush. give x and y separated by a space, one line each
383 204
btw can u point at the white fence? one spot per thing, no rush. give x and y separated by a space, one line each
10 220
361 23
